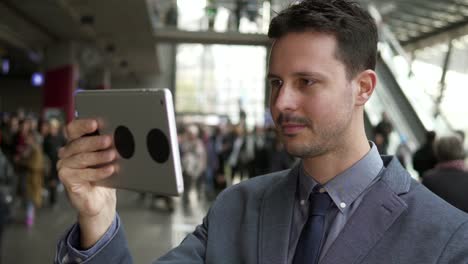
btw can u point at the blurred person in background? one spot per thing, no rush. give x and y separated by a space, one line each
21 114
53 141
424 158
21 146
171 15
193 161
403 151
9 133
212 164
4 131
449 178
462 136
7 176
35 129
33 160
262 152
382 133
237 158
224 145
44 129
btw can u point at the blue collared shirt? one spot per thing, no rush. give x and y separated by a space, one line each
346 191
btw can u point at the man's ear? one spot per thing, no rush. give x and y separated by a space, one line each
366 82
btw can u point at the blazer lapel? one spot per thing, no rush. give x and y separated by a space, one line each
275 219
379 209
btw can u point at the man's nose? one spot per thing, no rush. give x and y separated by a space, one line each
286 99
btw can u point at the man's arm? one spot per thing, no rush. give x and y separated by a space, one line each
111 248
456 250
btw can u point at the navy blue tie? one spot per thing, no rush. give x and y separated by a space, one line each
310 241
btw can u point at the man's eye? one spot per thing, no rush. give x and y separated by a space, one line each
307 82
275 83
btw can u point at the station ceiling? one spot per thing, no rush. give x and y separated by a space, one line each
422 23
123 27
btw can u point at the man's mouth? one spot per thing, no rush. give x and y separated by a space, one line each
291 128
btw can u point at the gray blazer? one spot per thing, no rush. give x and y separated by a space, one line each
399 221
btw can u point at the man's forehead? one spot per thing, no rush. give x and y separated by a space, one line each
301 55
303 44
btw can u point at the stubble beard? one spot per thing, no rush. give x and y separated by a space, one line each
318 145
317 141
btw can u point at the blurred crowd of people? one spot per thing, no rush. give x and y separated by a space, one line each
441 166
28 157
214 157
440 161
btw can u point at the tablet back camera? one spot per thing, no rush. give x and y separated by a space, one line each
124 142
158 145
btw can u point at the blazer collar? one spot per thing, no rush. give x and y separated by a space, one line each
395 176
275 219
379 209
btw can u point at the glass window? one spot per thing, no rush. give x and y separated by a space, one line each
221 79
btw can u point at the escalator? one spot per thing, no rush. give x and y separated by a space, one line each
388 97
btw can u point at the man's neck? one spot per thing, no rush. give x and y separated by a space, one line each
325 167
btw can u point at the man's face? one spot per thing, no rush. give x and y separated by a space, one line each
312 101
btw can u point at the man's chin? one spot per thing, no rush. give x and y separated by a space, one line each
301 151
296 150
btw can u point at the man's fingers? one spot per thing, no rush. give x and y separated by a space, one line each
78 177
80 127
89 159
85 144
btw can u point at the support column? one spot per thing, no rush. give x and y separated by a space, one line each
268 118
61 76
443 83
267 85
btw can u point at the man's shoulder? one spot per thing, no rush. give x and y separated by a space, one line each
430 209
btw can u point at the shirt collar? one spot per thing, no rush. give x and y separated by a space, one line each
348 185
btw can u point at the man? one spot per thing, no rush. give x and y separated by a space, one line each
53 141
449 179
424 158
383 129
341 204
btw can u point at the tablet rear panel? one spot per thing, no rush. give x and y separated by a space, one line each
143 127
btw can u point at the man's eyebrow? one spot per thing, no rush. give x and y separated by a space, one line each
301 74
271 76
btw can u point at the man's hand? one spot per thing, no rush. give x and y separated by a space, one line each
82 162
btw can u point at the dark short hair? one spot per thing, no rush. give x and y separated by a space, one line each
354 28
449 148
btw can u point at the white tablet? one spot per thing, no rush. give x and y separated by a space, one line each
143 127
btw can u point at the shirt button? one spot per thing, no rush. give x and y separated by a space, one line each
302 202
343 205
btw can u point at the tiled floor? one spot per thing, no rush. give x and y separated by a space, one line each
151 230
